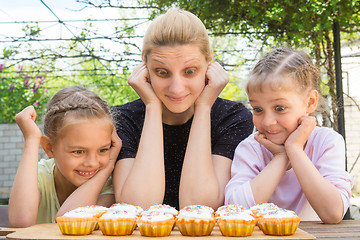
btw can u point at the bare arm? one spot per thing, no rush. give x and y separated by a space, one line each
89 192
211 173
315 187
271 175
25 195
141 181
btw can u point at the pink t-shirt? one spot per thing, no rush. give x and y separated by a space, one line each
325 148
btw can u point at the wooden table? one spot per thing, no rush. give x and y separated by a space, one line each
347 229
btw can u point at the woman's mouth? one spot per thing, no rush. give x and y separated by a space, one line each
177 99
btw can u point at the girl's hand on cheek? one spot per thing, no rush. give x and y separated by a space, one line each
299 137
275 149
139 80
217 79
116 145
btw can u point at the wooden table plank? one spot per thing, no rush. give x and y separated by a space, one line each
346 229
52 232
5 231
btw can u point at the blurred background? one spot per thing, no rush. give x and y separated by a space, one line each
46 45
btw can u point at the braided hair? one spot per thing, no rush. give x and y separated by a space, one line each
296 66
73 102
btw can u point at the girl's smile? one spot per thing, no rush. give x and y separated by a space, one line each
82 150
276 113
87 174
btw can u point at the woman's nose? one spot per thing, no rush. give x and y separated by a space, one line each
176 85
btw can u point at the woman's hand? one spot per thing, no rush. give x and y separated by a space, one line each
26 122
299 137
217 79
139 80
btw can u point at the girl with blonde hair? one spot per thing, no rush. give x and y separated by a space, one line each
289 161
82 145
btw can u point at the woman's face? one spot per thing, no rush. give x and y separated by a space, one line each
177 75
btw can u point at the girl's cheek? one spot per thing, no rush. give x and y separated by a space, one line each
105 161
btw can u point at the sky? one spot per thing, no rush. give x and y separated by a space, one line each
16 14
35 10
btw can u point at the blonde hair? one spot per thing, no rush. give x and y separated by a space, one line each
296 66
176 27
73 103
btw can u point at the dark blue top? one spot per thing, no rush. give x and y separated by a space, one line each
231 123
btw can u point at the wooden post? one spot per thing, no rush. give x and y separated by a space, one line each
339 90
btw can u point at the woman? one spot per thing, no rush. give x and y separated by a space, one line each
179 138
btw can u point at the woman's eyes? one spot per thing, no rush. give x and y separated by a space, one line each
189 71
161 72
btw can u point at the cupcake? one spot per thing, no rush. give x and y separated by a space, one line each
263 208
229 208
237 223
161 208
94 210
280 222
76 223
126 207
155 224
117 223
195 220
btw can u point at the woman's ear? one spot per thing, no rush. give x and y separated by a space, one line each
47 146
312 101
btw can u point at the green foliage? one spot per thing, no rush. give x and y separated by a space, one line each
302 24
233 92
19 89
296 22
108 80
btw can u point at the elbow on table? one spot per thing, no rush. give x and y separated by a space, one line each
332 218
21 222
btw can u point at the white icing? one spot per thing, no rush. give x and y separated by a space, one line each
236 216
117 215
91 209
160 208
78 214
196 214
126 207
156 217
197 207
264 206
280 214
